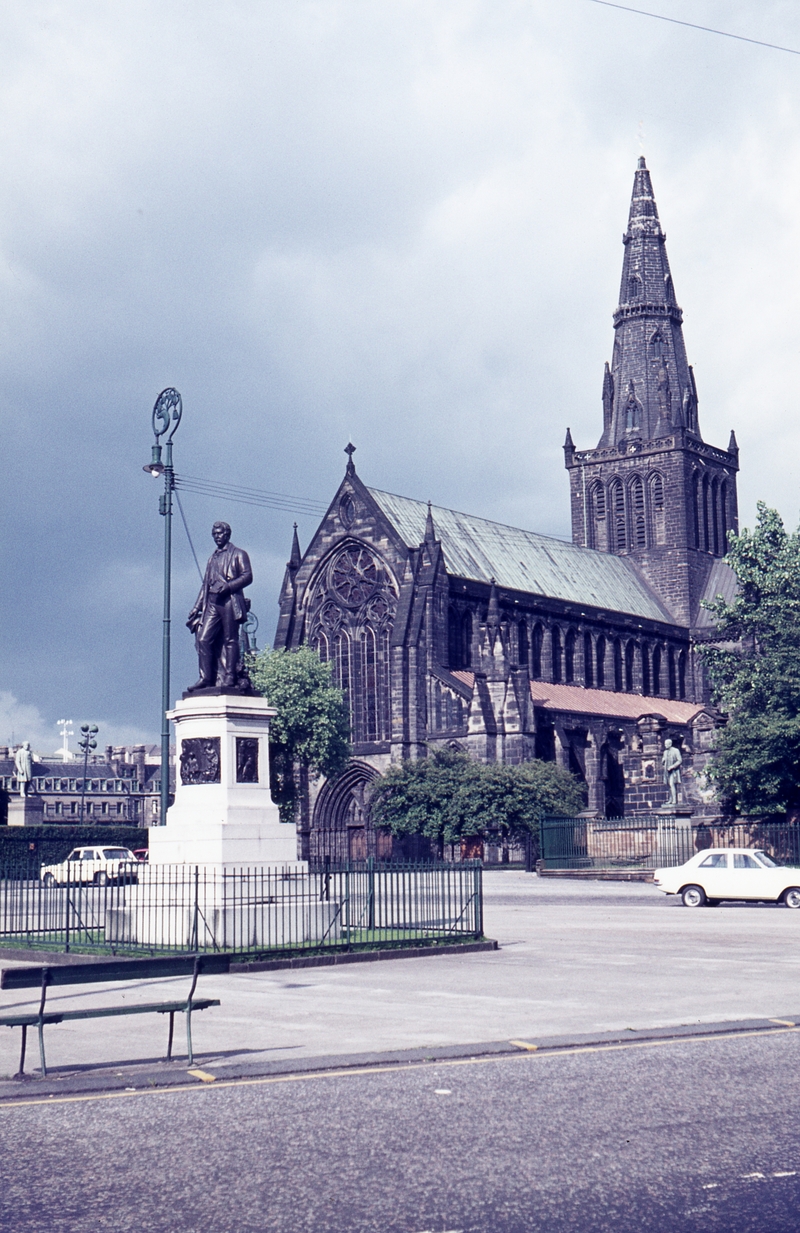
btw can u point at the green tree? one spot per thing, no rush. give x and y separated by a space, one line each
449 796
311 728
754 667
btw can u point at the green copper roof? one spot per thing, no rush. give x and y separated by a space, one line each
478 549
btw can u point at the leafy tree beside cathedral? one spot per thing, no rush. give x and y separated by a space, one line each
754 666
311 729
449 796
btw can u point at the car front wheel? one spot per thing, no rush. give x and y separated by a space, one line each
791 897
101 879
49 880
693 896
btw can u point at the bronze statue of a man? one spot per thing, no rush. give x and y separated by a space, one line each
219 611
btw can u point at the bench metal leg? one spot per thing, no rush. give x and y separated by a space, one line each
20 1073
189 1035
171 1030
41 1049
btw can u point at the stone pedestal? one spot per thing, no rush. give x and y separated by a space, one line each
26 810
223 813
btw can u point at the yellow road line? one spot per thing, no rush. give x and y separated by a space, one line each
394 1068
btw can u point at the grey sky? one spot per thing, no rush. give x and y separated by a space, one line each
396 222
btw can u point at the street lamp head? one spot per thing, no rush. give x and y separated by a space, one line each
155 466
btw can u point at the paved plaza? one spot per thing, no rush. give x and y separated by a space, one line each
575 958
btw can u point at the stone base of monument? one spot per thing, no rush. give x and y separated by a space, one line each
26 810
223 813
241 911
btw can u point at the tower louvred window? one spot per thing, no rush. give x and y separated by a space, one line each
617 496
637 503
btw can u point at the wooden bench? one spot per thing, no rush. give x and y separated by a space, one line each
48 977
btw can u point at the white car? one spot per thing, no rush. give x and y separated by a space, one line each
731 873
97 865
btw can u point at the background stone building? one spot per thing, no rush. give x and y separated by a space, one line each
451 630
123 786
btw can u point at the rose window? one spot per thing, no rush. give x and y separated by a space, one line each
354 576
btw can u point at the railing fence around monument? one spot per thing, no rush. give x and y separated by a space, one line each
654 841
153 909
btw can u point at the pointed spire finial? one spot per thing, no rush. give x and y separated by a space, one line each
733 444
569 447
350 449
642 165
430 532
296 556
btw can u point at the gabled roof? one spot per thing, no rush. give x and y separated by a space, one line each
518 560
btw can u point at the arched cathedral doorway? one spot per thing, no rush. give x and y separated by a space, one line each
341 828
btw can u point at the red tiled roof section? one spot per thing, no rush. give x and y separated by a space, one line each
604 702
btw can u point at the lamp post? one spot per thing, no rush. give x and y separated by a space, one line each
86 744
166 418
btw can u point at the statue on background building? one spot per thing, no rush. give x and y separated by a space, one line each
23 761
671 760
220 609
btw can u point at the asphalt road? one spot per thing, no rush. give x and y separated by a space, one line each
681 1136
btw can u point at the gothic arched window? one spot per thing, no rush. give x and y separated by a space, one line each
466 640
618 665
657 508
630 662
697 506
351 614
645 669
597 516
557 652
638 529
522 644
588 661
706 529
617 500
600 659
536 648
682 675
715 516
453 639
671 686
656 671
634 287
723 517
569 657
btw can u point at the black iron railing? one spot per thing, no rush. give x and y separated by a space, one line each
654 841
194 908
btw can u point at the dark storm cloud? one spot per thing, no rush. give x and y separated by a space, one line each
397 223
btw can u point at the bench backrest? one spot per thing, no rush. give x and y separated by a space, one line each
116 969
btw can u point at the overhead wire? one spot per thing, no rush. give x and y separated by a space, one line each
188 536
250 496
676 21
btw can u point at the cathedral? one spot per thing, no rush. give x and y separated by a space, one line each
447 630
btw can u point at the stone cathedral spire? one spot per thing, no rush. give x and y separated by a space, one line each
649 387
652 489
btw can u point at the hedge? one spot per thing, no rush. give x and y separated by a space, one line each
52 843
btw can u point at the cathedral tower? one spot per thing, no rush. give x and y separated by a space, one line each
653 489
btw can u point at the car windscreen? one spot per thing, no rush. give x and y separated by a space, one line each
766 860
117 854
